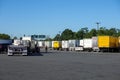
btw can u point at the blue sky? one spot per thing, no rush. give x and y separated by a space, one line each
18 17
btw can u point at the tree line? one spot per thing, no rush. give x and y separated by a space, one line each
80 34
86 33
4 36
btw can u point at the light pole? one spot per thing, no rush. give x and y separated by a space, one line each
97 28
59 35
97 33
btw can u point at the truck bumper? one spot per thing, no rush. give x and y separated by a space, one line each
10 54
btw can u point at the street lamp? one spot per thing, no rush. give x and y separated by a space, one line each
97 28
97 33
59 35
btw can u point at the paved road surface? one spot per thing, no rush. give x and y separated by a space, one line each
61 66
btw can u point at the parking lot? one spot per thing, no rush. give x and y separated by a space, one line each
56 65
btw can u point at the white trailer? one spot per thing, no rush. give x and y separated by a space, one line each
48 44
21 42
90 44
95 44
65 45
80 47
41 44
87 43
73 44
81 42
53 44
16 42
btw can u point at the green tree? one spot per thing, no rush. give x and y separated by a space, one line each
48 39
93 32
15 37
67 34
20 38
102 31
74 35
118 32
57 37
85 33
112 32
4 36
82 33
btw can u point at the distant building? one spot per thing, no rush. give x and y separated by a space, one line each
4 44
27 38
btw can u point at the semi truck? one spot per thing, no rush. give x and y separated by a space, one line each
23 47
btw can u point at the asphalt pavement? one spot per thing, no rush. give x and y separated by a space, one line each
61 65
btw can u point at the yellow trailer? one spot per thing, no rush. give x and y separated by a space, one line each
108 43
56 45
119 41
